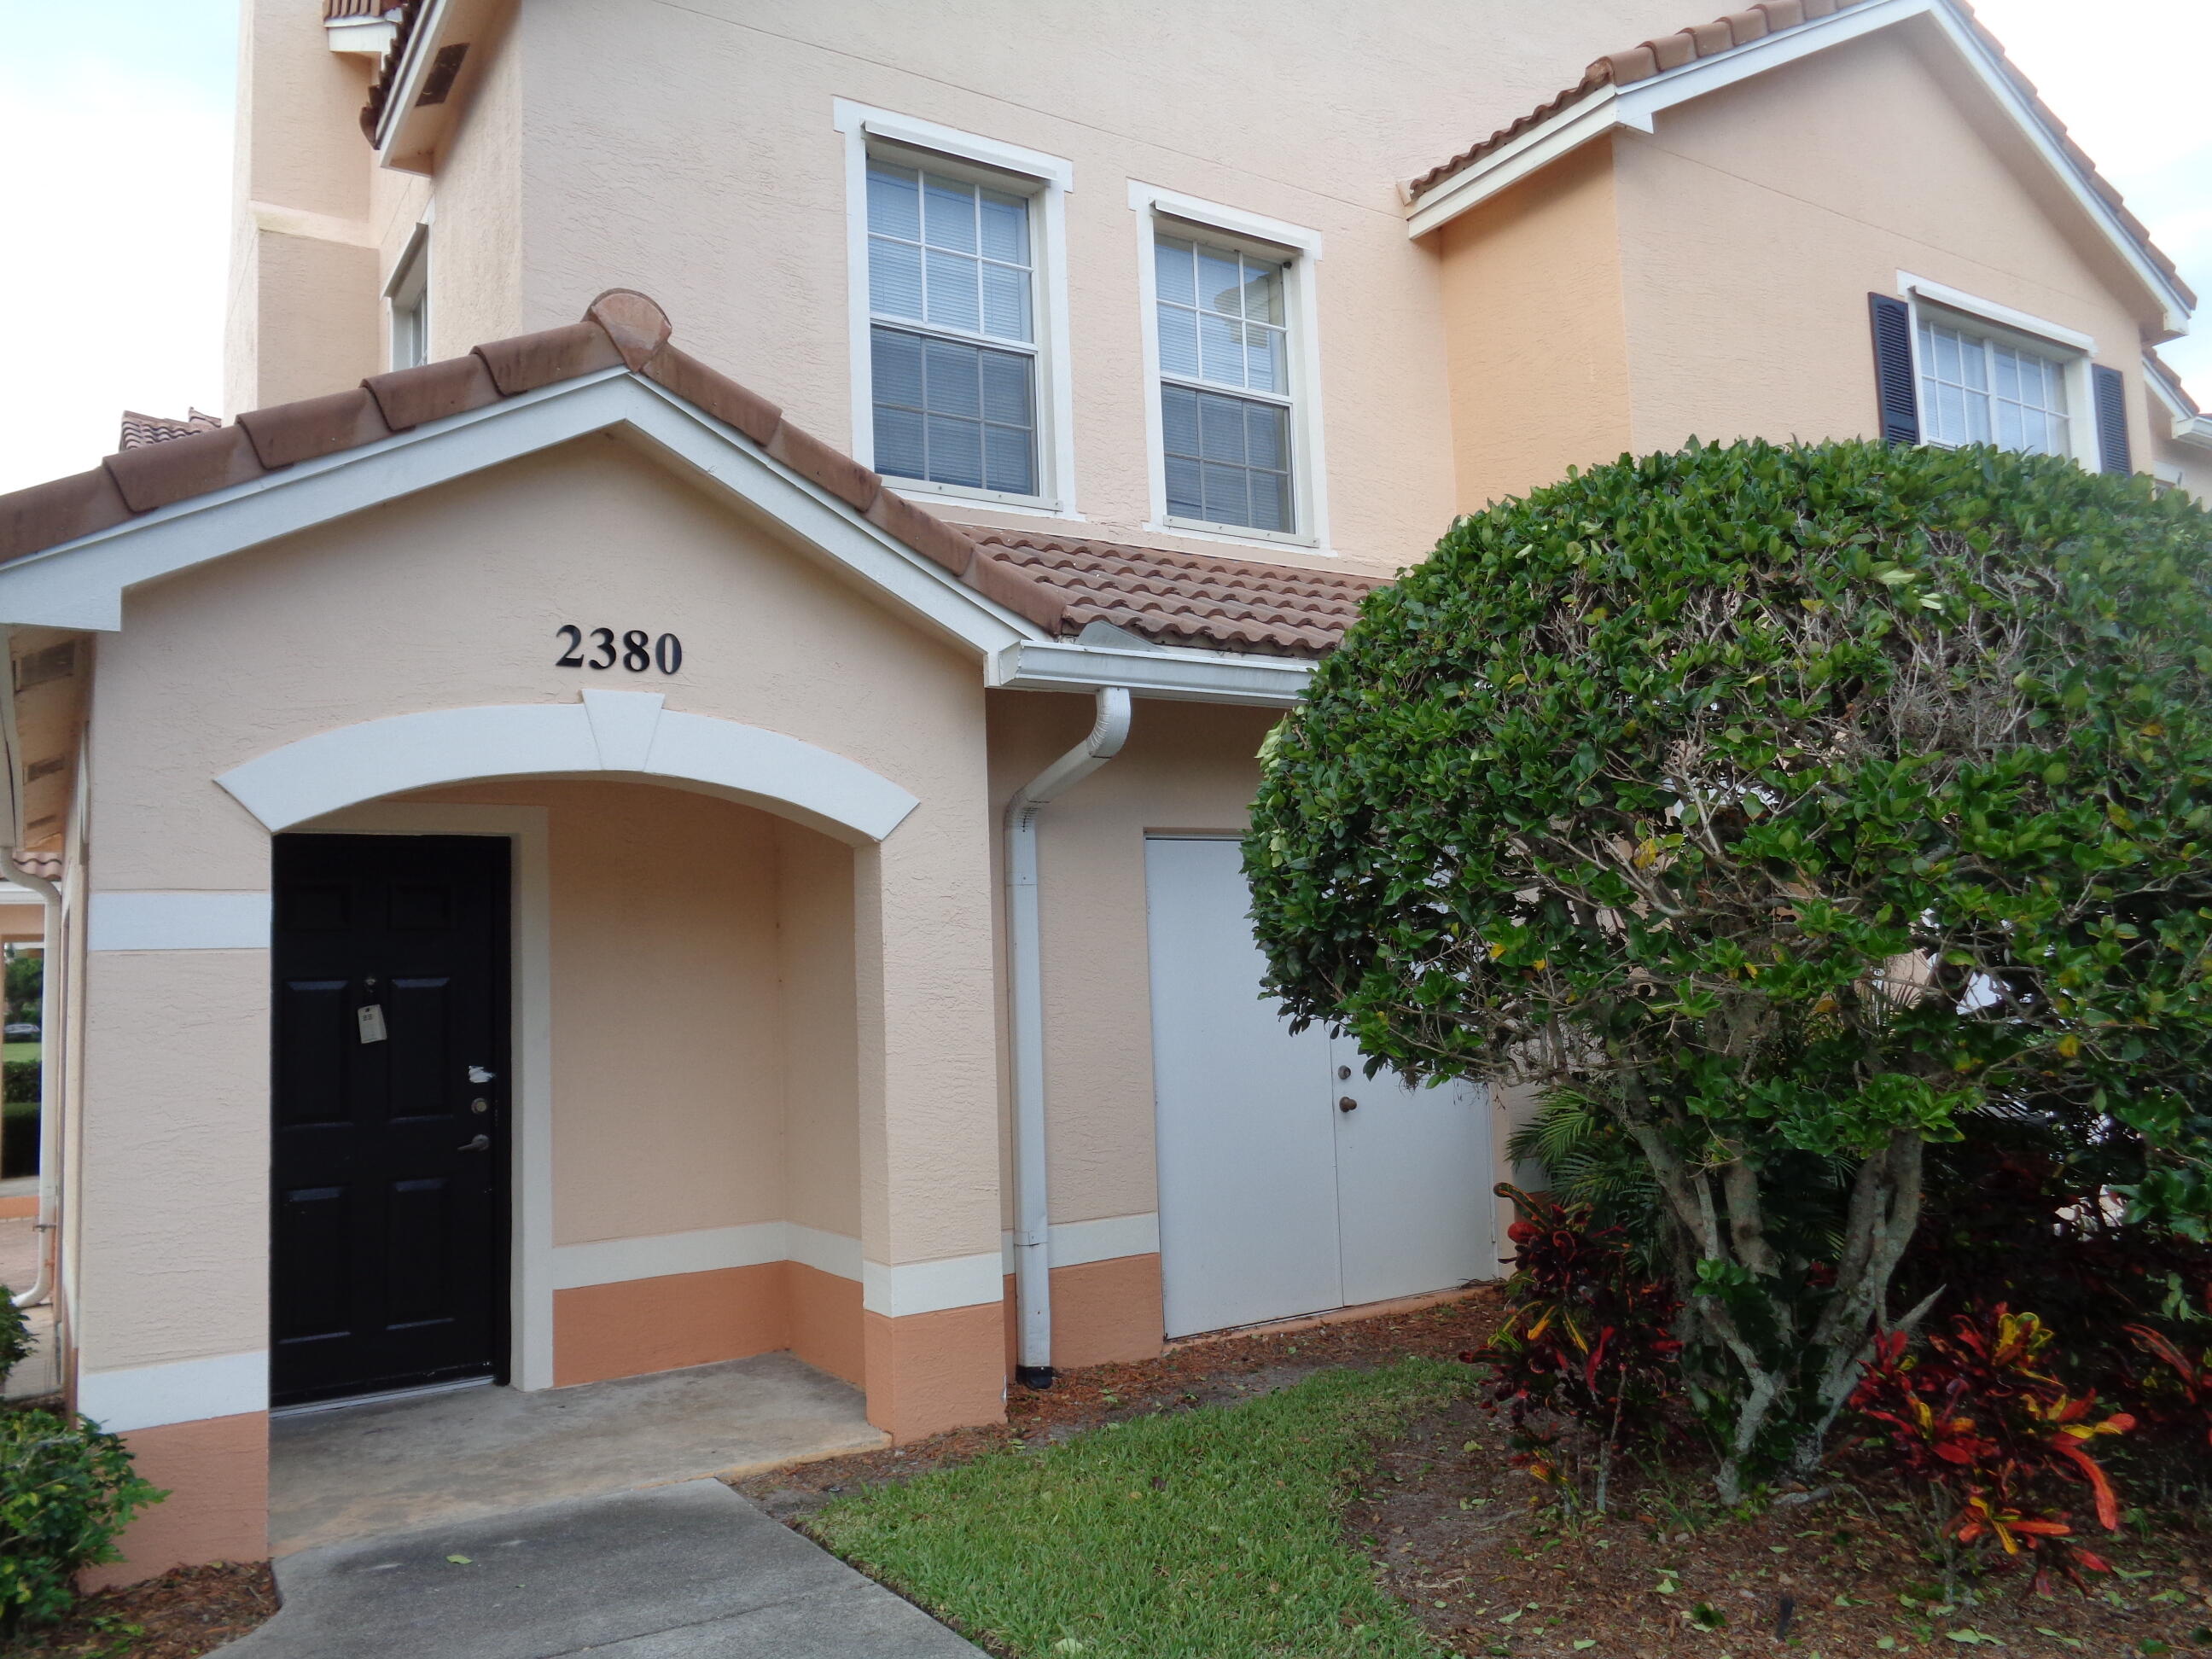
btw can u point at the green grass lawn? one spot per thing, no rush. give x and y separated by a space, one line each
18 1051
1210 1534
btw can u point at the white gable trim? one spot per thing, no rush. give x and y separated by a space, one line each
2186 426
1636 106
81 584
626 731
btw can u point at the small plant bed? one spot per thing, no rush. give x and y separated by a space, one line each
1215 1372
1459 1534
179 1615
1209 1533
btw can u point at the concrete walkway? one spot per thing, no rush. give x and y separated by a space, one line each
363 1471
689 1571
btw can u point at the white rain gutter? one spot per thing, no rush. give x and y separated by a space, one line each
50 1072
1025 977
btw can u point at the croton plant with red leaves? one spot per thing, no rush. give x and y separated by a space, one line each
1979 1415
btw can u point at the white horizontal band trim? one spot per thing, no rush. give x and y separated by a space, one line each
1176 676
918 1287
1973 305
1075 1243
707 1250
827 1253
1219 216
183 1391
612 1260
179 921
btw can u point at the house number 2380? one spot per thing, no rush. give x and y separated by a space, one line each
632 649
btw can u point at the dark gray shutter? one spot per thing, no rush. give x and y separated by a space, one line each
1893 368
2111 419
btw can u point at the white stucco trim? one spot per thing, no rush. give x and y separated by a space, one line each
1635 106
143 920
181 1391
1169 674
705 1250
530 1047
1957 298
81 584
919 1287
629 733
1075 1243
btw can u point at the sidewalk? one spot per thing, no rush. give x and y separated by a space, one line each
688 1571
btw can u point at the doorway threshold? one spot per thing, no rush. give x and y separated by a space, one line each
308 1408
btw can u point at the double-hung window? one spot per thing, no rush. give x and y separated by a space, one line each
1225 364
1232 359
953 330
1978 388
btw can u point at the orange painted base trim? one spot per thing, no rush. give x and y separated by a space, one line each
825 1321
644 1325
17 1205
217 1473
930 1372
1107 1312
1102 1313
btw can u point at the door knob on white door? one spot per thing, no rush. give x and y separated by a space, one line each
1348 1104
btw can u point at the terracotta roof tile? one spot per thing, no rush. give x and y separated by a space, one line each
1184 598
1060 584
1739 28
139 430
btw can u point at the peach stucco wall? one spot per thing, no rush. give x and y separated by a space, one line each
1535 331
1755 222
688 151
451 599
1185 767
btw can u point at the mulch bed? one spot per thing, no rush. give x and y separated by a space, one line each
1455 1534
1200 1374
179 1615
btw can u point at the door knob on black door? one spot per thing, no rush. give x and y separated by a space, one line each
481 1144
1348 1104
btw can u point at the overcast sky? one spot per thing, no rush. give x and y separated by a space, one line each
115 138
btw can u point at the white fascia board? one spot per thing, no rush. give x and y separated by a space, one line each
81 584
1636 105
1173 675
407 79
2185 424
1509 164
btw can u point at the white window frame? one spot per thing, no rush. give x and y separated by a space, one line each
1159 212
407 300
1046 179
1951 307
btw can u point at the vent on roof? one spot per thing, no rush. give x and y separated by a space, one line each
140 430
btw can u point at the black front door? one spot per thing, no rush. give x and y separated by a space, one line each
389 1253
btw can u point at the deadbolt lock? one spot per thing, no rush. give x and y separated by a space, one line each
480 1104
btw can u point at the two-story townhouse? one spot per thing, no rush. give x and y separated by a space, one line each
589 848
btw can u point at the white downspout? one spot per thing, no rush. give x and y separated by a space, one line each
1024 974
50 1075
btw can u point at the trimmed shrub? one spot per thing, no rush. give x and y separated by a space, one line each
1801 803
66 1490
19 1081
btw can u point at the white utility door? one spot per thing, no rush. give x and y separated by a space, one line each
1275 1201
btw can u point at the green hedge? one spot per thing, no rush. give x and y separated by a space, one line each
20 1082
